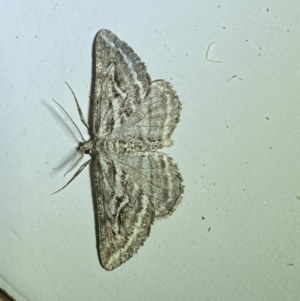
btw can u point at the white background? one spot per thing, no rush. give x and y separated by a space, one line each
237 146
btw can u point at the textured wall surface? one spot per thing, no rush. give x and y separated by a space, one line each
235 236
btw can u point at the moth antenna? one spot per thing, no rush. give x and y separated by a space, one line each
69 118
75 175
78 108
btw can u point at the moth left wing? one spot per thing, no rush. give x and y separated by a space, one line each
124 214
132 191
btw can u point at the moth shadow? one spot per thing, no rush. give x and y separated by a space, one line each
92 166
97 225
67 127
64 122
66 161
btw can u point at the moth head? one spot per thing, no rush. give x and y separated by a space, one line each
86 147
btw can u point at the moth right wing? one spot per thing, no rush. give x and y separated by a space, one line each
121 82
155 118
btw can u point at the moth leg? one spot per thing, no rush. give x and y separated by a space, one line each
75 175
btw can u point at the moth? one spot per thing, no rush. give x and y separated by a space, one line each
132 117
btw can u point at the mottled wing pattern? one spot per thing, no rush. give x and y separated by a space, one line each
155 118
156 175
121 82
132 188
132 191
